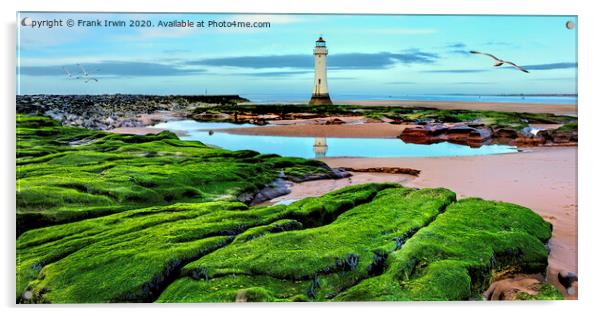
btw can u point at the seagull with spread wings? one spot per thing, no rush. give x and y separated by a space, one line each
69 74
499 62
83 70
85 75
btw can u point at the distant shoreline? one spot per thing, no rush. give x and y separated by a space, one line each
518 94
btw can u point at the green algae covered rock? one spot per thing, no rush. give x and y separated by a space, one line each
456 255
132 255
451 256
386 243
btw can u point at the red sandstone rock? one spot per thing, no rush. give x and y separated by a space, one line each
505 132
524 140
335 121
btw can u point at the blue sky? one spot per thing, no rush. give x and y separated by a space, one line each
372 55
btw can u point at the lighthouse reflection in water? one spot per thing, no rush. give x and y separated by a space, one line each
320 147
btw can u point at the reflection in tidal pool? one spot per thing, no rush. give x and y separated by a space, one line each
316 147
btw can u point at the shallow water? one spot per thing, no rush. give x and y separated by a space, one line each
317 147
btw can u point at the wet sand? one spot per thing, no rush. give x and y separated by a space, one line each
321 187
543 179
320 120
564 109
159 116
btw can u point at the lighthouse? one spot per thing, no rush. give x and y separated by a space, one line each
320 95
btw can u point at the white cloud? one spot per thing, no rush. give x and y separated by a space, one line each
73 60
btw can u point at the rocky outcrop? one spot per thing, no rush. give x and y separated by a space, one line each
528 140
522 287
472 136
428 133
334 173
424 134
334 121
273 190
478 135
560 136
103 112
436 133
508 289
567 279
505 132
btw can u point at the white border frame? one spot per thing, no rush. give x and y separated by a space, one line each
590 106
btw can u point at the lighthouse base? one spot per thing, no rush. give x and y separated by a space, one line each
320 99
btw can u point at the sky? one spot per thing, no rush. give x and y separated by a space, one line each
369 55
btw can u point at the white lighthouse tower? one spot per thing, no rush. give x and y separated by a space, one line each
320 95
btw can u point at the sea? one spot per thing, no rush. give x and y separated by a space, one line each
514 98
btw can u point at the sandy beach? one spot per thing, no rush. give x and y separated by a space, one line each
561 109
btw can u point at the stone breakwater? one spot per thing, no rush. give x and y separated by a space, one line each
103 112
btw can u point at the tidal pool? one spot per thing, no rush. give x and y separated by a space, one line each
316 147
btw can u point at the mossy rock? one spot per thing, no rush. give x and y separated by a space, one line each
455 256
367 242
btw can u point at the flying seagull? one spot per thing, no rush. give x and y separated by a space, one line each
83 70
85 74
69 74
499 62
